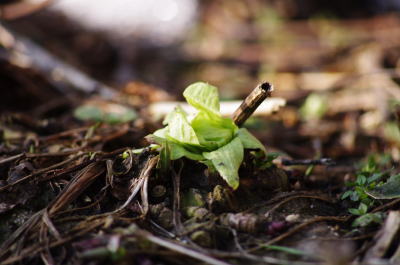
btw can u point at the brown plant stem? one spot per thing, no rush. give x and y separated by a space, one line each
251 103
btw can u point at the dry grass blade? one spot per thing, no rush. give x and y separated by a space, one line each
139 182
77 185
144 194
40 171
5 247
176 180
180 249
35 249
11 158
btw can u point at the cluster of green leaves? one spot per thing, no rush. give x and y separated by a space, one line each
206 136
368 179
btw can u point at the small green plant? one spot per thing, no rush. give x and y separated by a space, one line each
368 179
109 113
206 136
314 107
368 219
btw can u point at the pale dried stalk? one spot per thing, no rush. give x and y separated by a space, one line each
251 103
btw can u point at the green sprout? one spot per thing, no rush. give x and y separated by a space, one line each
206 136
314 107
368 182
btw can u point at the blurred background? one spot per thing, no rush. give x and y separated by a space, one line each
336 63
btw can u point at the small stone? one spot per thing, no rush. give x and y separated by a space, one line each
292 218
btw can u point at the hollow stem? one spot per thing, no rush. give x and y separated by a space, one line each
251 103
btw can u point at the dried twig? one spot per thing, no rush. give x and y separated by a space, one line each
11 158
179 248
176 180
144 195
297 197
299 227
308 162
68 194
35 249
386 206
252 101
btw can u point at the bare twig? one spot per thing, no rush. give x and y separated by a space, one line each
297 197
308 162
252 101
299 227
386 206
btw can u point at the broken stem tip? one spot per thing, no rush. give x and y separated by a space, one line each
251 103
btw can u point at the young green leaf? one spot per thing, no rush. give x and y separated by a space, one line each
362 208
367 219
203 97
213 133
354 211
176 151
346 194
179 129
227 160
388 190
249 141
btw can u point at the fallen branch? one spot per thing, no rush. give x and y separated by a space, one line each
25 53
